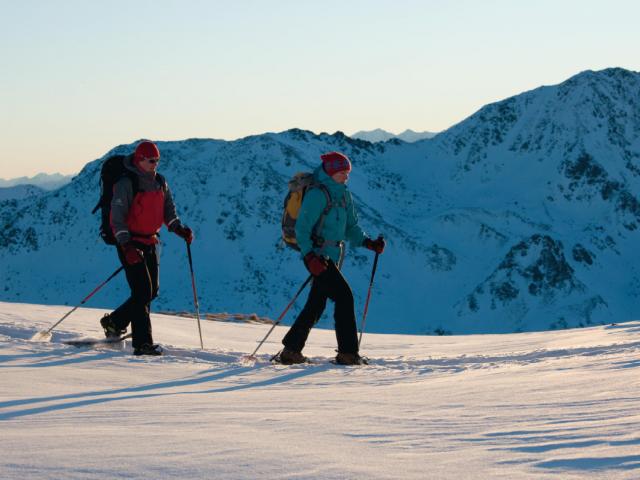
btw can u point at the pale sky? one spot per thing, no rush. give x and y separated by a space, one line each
82 76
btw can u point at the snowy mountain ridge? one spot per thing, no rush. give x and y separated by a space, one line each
380 135
522 217
42 180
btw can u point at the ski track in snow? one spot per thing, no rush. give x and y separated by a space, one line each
218 358
543 405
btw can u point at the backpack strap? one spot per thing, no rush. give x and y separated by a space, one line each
135 182
95 209
320 223
134 187
161 181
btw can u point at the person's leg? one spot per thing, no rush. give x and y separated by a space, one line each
143 324
297 335
135 310
153 266
119 319
340 292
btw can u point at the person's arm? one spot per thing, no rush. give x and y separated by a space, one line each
313 204
120 205
171 219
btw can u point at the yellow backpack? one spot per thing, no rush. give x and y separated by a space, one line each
299 184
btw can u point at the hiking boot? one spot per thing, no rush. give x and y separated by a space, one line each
350 359
289 357
110 329
148 349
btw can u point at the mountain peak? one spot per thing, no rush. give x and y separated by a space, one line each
590 109
607 73
588 83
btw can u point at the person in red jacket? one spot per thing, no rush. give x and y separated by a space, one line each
136 219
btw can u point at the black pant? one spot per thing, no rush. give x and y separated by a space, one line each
330 284
143 282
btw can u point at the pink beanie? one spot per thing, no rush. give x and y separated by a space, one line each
334 162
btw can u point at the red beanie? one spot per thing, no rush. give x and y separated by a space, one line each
144 150
334 162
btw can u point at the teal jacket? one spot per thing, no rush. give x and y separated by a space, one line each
340 223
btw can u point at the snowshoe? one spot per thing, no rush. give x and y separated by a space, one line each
148 349
110 329
289 357
90 342
350 359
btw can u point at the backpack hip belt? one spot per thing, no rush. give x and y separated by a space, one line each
333 243
322 243
144 235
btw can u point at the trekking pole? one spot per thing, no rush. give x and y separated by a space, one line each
252 358
45 335
366 304
195 294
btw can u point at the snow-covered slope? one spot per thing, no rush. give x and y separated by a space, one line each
540 405
522 217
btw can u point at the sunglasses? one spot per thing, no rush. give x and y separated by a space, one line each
152 160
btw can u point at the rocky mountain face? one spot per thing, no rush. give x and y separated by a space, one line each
522 217
533 275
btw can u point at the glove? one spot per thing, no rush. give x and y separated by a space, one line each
376 245
184 232
132 254
315 264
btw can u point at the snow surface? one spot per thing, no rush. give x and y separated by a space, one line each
556 404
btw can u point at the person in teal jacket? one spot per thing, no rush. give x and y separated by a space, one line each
327 219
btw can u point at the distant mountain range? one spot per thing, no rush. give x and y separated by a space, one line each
379 135
524 216
20 191
42 180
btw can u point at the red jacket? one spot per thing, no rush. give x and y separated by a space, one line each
146 216
140 216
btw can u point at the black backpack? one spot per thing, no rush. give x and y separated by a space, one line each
113 169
